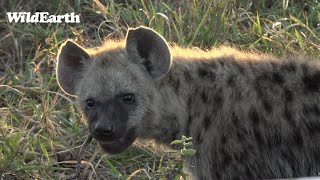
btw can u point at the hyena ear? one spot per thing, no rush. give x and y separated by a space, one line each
72 59
145 46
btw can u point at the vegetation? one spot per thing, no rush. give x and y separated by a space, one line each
40 127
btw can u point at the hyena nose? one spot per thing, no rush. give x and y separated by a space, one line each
103 130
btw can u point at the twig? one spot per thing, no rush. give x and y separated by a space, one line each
83 146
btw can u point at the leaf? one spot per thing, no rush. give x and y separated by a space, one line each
45 152
188 144
176 142
188 152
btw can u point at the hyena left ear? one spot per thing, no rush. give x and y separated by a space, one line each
72 61
148 48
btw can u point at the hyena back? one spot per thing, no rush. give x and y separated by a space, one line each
251 116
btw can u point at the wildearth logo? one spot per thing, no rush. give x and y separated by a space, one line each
42 17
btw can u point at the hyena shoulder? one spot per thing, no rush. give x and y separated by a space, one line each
251 111
251 115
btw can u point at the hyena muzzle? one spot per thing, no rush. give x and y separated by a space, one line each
251 116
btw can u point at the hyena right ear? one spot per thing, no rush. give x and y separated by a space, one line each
72 59
146 47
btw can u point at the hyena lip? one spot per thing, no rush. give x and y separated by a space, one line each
119 145
106 139
114 138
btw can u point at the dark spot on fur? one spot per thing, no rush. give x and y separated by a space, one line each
211 65
174 82
102 62
288 95
305 69
258 85
248 173
273 64
238 95
316 154
187 130
267 106
187 76
226 161
196 91
312 82
313 126
315 110
226 158
218 99
206 73
218 175
206 122
235 120
238 65
174 135
310 110
289 67
221 62
274 141
252 65
231 81
174 128
202 72
258 89
240 136
277 78
251 146
267 81
224 139
170 80
258 137
177 86
199 139
241 157
189 121
204 97
253 115
162 83
189 103
263 77
297 138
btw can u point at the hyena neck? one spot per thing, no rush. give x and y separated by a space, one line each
173 101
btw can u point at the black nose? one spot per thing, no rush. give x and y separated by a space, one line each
103 129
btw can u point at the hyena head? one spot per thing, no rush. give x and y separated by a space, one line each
115 86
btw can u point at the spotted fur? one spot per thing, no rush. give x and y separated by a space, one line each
251 116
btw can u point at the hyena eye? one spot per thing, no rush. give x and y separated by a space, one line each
127 98
90 103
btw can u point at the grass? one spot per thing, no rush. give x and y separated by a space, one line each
41 129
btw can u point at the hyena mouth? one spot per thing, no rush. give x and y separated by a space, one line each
106 139
119 145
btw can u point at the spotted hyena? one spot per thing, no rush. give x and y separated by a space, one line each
251 115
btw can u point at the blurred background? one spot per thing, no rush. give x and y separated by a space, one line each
41 128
